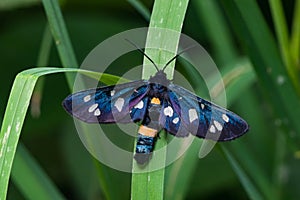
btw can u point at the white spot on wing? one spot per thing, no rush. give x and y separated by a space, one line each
93 107
225 118
193 114
87 98
218 125
112 93
97 112
212 129
202 106
175 120
140 105
119 104
168 111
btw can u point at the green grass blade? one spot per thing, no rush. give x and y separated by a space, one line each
295 36
11 4
245 180
38 184
252 169
214 23
150 185
139 6
11 127
283 38
61 37
15 113
12 124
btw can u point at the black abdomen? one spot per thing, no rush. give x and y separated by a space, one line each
144 148
147 132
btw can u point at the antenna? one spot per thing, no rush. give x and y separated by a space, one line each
140 50
184 50
172 59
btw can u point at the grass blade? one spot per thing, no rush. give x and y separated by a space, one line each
61 37
145 184
283 39
295 36
11 4
249 187
139 6
15 114
214 24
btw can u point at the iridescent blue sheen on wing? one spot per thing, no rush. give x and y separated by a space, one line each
173 123
139 111
107 104
205 119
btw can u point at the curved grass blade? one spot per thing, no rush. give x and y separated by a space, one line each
15 113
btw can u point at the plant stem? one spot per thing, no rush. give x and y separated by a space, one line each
167 17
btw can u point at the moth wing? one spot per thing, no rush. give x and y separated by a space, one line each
171 121
203 118
108 104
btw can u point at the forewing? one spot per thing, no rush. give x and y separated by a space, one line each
139 110
170 119
203 118
108 104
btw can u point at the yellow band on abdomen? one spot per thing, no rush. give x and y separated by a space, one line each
146 131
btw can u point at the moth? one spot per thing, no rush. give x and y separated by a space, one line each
156 104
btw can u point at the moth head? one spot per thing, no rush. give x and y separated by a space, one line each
160 77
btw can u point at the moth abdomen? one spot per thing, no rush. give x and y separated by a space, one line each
145 144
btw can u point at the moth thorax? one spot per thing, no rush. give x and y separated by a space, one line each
146 131
153 114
